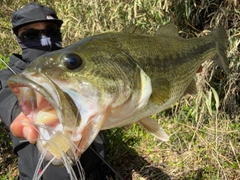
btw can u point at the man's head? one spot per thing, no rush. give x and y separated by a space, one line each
37 29
32 13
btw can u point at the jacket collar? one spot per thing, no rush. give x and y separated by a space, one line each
16 62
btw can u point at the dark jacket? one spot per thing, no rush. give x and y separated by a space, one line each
28 155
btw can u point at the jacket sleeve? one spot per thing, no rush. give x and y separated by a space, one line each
9 108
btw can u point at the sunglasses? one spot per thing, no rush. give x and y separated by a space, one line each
32 33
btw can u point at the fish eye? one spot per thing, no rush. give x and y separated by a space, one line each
72 61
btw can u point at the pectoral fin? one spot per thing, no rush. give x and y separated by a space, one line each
161 91
153 128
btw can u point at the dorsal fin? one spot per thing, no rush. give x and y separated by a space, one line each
133 28
168 29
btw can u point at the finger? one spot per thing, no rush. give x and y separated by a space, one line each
21 127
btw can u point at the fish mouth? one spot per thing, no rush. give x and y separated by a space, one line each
52 112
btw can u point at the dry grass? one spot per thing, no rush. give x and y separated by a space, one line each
204 129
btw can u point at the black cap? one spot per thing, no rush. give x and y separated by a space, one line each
33 13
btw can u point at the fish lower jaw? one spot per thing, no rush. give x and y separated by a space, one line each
55 139
56 148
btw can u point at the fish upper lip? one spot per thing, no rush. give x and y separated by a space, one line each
26 87
31 98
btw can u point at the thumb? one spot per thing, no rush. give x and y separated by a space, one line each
22 127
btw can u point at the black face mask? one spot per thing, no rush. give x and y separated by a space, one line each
33 48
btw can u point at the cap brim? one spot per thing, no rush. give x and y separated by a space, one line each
56 21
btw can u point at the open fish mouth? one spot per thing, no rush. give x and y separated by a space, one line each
53 114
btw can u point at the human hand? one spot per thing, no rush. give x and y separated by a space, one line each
22 127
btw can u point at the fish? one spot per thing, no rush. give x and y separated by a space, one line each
110 80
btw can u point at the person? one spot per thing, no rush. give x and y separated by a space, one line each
37 30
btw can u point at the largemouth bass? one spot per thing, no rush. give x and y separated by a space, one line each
110 80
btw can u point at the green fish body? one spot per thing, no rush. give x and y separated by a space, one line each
114 79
